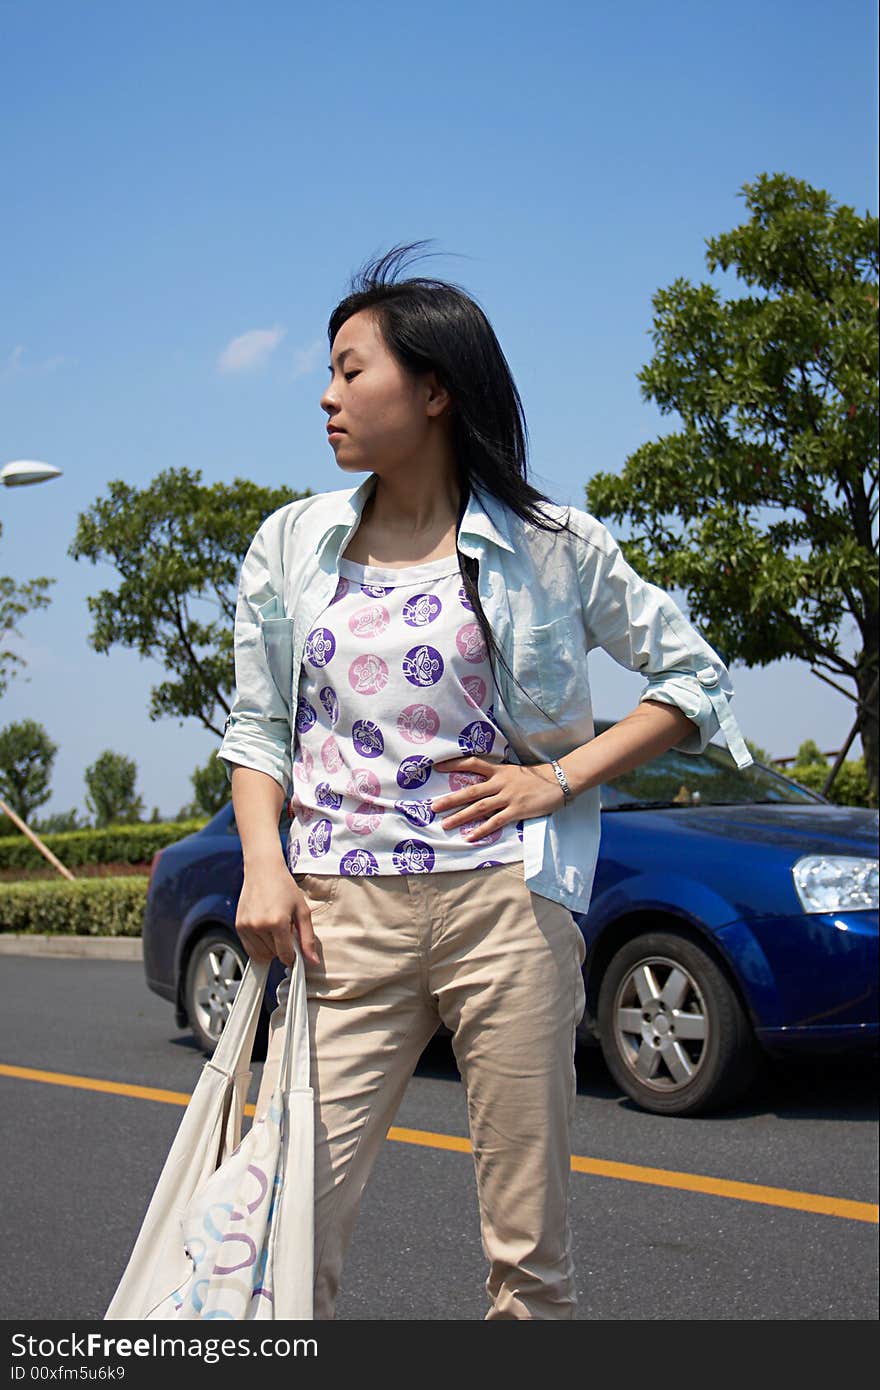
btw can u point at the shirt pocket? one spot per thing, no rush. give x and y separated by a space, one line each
277 633
549 661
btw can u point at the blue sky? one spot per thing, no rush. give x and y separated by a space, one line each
180 176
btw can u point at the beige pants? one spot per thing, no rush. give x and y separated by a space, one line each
501 967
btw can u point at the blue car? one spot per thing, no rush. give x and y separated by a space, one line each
734 915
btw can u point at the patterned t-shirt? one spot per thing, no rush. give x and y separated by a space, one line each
395 677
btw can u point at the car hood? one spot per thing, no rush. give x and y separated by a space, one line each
808 829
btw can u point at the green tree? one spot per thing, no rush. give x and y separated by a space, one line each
211 790
26 757
59 822
111 782
16 600
759 754
176 544
762 508
811 768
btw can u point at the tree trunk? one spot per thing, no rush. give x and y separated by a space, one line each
867 684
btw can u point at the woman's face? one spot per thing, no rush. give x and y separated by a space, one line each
385 415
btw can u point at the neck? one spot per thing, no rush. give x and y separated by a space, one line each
415 505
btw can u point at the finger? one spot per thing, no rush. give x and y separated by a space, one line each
488 827
305 931
255 944
482 808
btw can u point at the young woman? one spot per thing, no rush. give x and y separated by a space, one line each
411 661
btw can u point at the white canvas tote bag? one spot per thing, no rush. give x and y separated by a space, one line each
229 1232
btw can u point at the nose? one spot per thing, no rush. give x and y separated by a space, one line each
328 402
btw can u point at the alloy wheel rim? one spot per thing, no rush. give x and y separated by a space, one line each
218 976
661 1024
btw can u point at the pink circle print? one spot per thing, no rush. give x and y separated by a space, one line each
330 754
370 621
470 643
365 818
363 783
368 674
474 690
457 780
418 723
304 767
486 839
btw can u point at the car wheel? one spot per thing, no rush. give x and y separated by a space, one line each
673 1033
213 974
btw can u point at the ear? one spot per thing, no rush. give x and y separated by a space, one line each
438 398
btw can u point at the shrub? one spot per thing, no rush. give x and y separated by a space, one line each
87 907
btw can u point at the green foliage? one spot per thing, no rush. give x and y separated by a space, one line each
26 757
759 754
88 907
762 507
176 544
811 768
52 825
16 601
211 787
111 782
117 844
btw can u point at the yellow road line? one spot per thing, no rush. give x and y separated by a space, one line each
597 1167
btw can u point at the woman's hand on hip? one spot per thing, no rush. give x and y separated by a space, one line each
271 906
501 794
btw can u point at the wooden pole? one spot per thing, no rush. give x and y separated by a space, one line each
44 849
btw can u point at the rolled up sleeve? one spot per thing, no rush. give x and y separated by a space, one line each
258 728
643 629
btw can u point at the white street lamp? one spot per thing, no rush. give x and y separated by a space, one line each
24 471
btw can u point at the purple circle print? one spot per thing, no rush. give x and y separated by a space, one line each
423 665
376 590
368 674
302 813
414 772
330 702
421 609
358 863
413 857
305 715
477 738
367 738
342 589
489 864
319 838
416 812
326 796
293 848
519 829
463 598
320 646
418 723
370 621
470 642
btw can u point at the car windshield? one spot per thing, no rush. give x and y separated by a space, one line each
711 778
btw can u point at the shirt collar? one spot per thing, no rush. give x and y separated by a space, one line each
477 520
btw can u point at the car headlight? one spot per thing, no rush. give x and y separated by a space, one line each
836 883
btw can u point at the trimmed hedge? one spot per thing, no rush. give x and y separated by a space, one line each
87 907
125 844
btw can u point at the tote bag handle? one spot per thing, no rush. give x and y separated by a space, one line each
295 1051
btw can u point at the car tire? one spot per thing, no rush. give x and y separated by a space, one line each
672 1030
213 973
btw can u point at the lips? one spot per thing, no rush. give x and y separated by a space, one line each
335 429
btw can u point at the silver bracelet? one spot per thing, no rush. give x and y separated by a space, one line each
567 793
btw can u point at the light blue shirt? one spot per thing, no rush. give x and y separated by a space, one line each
549 598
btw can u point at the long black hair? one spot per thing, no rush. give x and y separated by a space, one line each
435 325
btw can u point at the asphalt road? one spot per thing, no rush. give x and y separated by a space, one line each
79 1166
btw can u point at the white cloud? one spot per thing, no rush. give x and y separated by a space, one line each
305 360
14 363
250 350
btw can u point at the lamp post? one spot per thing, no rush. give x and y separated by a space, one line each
21 473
